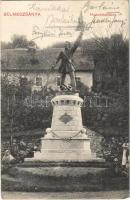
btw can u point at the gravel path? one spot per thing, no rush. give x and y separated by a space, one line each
121 194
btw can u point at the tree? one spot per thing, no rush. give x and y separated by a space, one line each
18 41
6 45
111 55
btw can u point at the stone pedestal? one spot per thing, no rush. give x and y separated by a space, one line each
66 140
65 162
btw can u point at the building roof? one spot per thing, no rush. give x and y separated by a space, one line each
22 59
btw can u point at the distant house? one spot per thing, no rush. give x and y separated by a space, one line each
22 65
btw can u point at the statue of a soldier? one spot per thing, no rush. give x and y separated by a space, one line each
67 66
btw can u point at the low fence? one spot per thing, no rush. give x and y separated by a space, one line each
88 101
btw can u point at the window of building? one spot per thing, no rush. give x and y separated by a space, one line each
77 78
38 81
99 77
58 80
23 81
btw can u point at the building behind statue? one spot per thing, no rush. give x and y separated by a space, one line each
22 65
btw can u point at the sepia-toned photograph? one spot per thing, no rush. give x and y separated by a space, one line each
64 99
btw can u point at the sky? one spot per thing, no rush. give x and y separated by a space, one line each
56 21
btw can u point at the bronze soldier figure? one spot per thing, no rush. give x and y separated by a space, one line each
67 66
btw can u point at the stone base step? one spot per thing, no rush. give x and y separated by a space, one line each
98 163
54 179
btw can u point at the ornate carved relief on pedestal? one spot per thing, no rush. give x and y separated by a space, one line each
65 118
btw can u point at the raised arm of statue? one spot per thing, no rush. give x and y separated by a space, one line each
77 42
